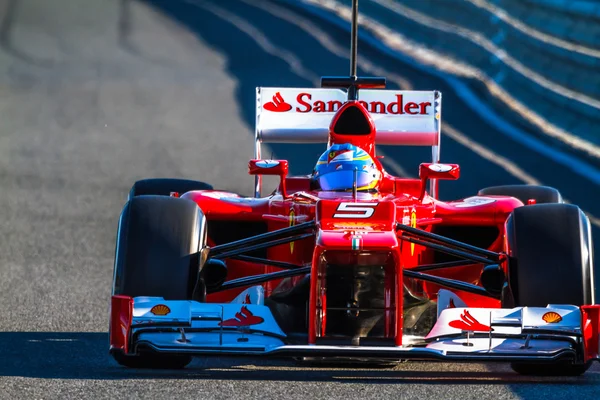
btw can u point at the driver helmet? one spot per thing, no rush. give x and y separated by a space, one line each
335 169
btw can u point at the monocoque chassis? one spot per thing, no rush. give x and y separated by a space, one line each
507 334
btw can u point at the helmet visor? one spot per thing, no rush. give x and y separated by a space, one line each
344 180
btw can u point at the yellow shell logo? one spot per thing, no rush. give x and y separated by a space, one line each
413 224
292 221
160 309
552 317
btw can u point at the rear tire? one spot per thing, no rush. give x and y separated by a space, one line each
158 255
541 194
551 262
164 187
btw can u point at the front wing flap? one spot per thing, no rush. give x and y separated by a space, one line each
536 334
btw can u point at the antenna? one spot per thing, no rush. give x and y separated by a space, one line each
354 42
353 82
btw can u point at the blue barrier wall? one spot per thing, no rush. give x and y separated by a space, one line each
572 102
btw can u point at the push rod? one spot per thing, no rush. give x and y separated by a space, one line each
448 250
263 245
450 242
261 238
443 265
266 261
449 283
256 279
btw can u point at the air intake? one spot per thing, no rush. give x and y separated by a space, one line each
353 120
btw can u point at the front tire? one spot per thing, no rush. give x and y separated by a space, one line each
159 245
551 262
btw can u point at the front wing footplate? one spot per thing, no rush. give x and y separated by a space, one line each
536 334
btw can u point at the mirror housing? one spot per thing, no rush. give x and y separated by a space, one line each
270 167
214 273
437 171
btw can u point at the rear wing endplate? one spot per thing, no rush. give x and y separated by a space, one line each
303 115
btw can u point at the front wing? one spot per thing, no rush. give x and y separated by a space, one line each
551 334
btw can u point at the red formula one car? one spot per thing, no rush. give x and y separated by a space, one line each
352 262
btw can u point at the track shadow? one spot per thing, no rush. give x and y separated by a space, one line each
125 28
9 15
84 355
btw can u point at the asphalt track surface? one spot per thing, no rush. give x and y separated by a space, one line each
97 94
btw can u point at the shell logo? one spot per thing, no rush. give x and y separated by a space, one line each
552 317
160 309
413 224
292 221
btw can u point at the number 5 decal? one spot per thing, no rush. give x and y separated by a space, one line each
355 210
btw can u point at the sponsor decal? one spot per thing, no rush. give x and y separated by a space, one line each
160 309
405 216
552 317
473 202
306 103
243 318
440 167
356 242
292 222
468 323
413 224
246 299
354 225
267 163
339 155
278 104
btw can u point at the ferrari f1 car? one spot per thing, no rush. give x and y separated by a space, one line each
351 262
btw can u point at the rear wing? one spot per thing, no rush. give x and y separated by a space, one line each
303 115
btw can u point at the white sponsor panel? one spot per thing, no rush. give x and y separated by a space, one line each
448 299
303 115
506 321
206 315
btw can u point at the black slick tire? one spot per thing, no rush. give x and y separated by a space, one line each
551 262
158 251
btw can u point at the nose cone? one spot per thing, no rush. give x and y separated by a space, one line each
353 124
352 119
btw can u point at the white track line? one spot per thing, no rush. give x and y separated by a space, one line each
491 47
487 154
532 32
294 62
324 39
406 51
427 57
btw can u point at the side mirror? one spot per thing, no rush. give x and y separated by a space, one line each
270 167
213 272
437 171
